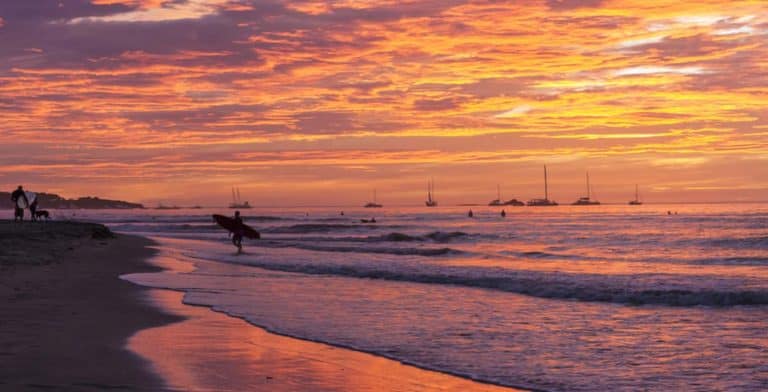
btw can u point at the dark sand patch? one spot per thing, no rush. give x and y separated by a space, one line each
65 316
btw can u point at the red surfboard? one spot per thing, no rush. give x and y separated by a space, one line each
229 224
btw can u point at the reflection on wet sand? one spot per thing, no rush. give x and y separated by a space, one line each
211 351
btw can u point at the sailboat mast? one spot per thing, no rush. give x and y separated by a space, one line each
431 189
546 191
588 185
233 194
238 194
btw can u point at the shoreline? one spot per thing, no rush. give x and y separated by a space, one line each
260 358
483 385
65 315
249 356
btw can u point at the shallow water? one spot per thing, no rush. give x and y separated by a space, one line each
250 359
564 298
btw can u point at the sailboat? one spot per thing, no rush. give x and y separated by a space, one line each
431 202
586 201
545 202
498 201
637 201
373 204
236 201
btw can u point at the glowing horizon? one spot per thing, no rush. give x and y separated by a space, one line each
319 102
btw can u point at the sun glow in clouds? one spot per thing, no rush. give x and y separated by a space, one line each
649 70
170 95
161 11
516 112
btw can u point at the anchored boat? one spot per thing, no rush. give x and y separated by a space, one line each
545 202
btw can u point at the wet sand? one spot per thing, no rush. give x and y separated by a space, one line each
65 316
248 358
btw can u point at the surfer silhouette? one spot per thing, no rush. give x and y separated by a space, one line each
237 232
18 212
237 228
503 214
470 213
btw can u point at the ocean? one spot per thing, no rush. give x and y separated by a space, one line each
568 298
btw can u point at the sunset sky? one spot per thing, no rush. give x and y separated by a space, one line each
318 102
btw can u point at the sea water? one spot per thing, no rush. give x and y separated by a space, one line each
549 298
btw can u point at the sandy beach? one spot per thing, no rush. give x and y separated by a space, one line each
65 313
69 322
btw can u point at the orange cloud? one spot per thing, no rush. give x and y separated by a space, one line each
238 91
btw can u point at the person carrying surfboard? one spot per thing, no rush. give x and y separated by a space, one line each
237 229
20 201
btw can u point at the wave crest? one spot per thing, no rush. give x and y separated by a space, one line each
364 249
538 286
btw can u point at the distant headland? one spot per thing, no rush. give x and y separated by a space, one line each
54 201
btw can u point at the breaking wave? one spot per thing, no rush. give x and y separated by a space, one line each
425 251
536 285
321 228
435 236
